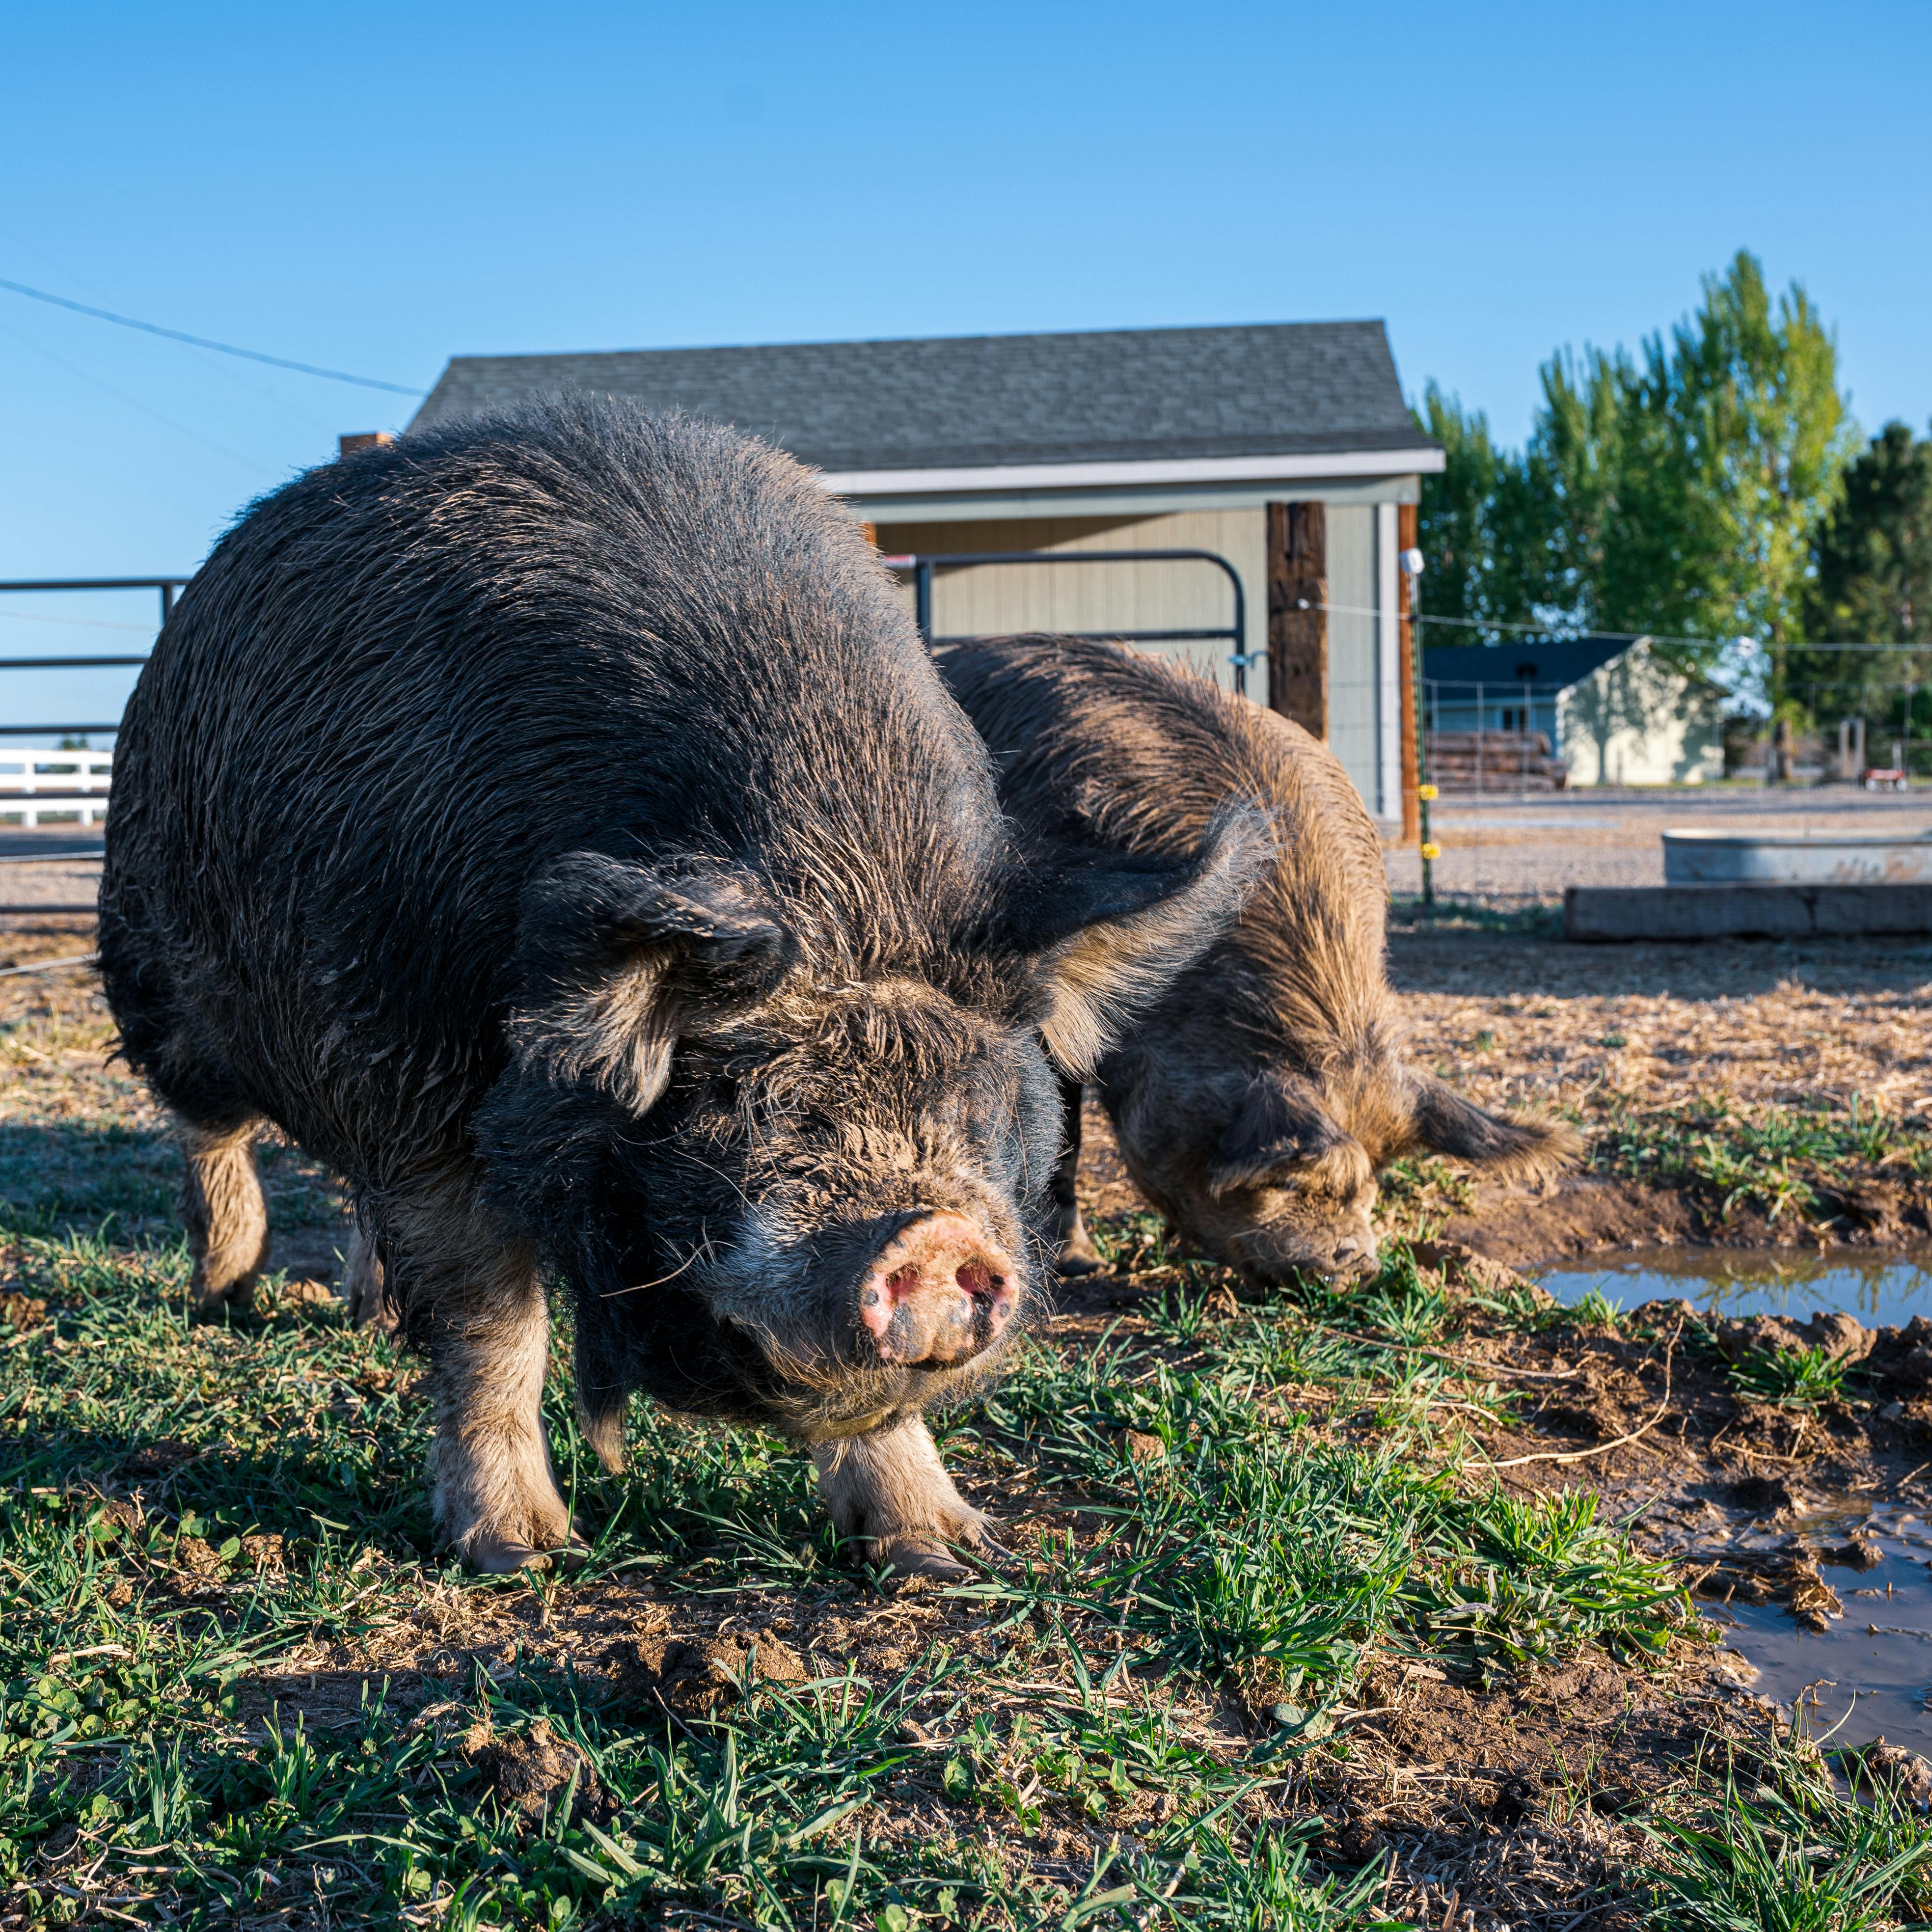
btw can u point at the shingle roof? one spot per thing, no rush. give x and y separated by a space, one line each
1278 388
1542 661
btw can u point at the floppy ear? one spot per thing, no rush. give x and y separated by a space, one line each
1278 1125
1444 1122
1107 936
617 957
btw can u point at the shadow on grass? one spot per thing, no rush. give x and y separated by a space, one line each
68 1176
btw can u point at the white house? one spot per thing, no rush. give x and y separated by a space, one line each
1615 709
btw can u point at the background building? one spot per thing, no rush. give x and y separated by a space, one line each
1615 709
1285 448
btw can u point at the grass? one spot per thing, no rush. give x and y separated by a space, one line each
239 1685
1538 920
1793 1377
1796 1854
202 1521
1784 1161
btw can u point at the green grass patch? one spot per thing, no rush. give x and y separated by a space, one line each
1780 1160
1799 1855
187 1507
1793 1377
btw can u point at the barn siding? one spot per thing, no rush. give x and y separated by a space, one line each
992 601
1354 655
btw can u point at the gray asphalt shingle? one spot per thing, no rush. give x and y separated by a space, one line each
1280 389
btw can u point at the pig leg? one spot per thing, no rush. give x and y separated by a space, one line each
602 1394
221 1204
479 1302
1073 1247
890 1490
362 1285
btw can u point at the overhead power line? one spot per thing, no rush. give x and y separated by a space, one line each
203 342
1561 634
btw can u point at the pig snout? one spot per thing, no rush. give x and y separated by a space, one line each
1355 1254
939 1294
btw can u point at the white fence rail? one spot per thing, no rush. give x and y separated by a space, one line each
35 784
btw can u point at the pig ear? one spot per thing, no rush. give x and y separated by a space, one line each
617 957
1110 936
1279 1125
1444 1122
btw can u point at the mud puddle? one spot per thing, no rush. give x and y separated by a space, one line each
1882 1289
1866 1674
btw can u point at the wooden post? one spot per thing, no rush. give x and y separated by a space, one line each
1297 612
1411 695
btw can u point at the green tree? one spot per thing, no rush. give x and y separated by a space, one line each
1871 583
1676 492
1477 527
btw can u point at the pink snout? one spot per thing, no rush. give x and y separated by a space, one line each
939 1294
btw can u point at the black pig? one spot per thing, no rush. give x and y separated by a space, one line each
554 823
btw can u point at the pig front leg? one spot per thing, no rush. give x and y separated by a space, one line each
1073 1248
480 1303
889 1490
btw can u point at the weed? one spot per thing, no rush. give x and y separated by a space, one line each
1794 1378
1777 1159
1802 1858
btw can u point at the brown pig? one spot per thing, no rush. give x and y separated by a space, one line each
1256 1100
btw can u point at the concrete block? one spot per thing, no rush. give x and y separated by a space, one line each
1872 910
1598 913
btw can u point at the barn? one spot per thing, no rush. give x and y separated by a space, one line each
1285 448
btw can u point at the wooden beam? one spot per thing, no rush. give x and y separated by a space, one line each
1405 533
1297 613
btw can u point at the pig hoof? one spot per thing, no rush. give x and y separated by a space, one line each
906 1557
503 1556
1077 1255
925 1556
239 1297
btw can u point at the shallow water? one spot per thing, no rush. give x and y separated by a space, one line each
1870 1674
1880 1289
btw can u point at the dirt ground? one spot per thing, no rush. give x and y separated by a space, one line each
1492 1789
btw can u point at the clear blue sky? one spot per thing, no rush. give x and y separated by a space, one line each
377 187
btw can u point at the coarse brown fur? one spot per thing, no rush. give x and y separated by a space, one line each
1257 1100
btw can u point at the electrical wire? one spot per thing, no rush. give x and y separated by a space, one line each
204 342
134 402
1552 632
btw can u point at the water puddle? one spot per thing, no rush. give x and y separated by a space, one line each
1881 1289
1868 1673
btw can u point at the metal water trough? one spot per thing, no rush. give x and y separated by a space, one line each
1702 858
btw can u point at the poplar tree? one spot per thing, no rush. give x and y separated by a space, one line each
1676 491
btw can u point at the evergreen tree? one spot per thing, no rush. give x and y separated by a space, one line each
1872 584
